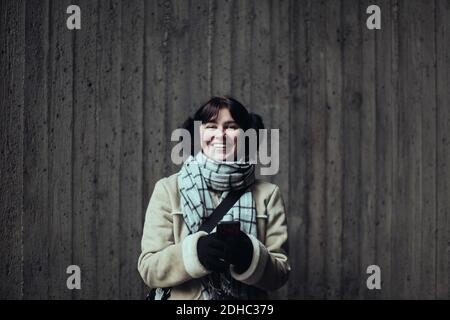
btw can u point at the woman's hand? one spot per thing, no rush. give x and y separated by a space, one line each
240 252
212 253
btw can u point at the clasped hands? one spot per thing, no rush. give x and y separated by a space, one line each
217 255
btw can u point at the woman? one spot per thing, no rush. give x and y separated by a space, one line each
198 265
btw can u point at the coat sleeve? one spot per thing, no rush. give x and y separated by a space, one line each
162 263
269 269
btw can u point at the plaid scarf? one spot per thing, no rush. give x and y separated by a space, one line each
196 176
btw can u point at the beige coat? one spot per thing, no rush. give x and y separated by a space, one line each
169 254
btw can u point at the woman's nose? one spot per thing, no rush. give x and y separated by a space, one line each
220 133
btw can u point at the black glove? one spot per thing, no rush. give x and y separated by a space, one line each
212 252
240 252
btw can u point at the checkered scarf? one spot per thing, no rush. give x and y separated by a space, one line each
197 175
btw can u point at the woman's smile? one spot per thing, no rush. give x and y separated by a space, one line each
219 137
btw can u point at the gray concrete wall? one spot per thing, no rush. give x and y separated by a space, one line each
364 119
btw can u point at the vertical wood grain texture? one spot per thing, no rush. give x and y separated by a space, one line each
300 144
368 155
399 270
60 148
426 54
260 49
416 153
386 130
108 148
85 162
35 166
256 33
351 184
334 147
410 145
221 44
316 210
12 70
178 67
199 52
243 15
131 113
364 124
442 273
279 100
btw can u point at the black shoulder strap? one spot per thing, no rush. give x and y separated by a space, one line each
221 210
208 226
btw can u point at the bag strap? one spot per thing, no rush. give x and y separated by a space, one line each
208 225
224 206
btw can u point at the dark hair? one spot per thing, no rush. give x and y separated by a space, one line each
210 110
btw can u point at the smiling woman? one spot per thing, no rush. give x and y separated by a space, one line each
219 137
181 260
223 120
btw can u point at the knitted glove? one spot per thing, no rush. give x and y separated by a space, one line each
211 253
240 252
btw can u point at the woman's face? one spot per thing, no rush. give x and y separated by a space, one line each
219 137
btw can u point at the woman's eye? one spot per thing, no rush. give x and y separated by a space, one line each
210 126
232 127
